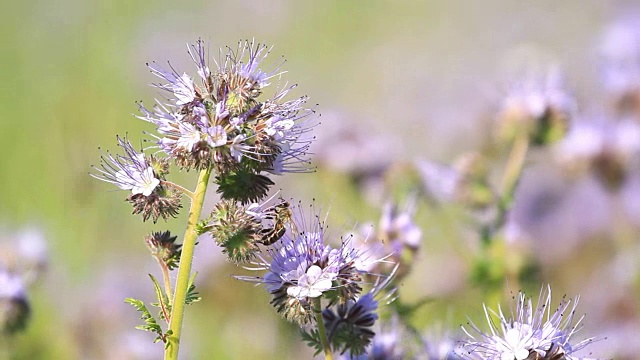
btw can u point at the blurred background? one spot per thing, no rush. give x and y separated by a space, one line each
396 83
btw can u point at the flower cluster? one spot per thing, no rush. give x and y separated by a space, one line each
23 260
609 149
144 177
215 121
620 64
219 124
538 108
218 120
14 306
396 240
464 182
530 333
240 229
349 325
302 267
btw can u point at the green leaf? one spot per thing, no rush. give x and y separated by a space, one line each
192 295
163 300
150 323
312 338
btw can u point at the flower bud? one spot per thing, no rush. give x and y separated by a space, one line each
164 249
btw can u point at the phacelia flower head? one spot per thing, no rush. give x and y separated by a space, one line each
464 182
537 107
619 51
440 345
302 266
142 176
396 240
241 230
14 306
219 119
130 171
350 324
609 149
529 333
164 249
398 226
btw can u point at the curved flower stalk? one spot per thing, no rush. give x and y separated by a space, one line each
529 333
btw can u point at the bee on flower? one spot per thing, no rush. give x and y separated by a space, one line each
302 266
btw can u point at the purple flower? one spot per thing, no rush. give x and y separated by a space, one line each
530 331
349 324
130 171
301 266
11 286
219 119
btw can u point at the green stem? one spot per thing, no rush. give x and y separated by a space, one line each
511 177
328 355
184 270
167 281
183 190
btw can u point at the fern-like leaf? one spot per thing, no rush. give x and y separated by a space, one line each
192 295
150 323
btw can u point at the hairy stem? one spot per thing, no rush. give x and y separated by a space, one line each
512 174
184 269
510 178
317 308
167 281
183 190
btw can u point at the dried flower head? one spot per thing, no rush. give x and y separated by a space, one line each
529 333
163 203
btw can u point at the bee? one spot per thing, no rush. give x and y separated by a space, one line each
280 214
555 352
